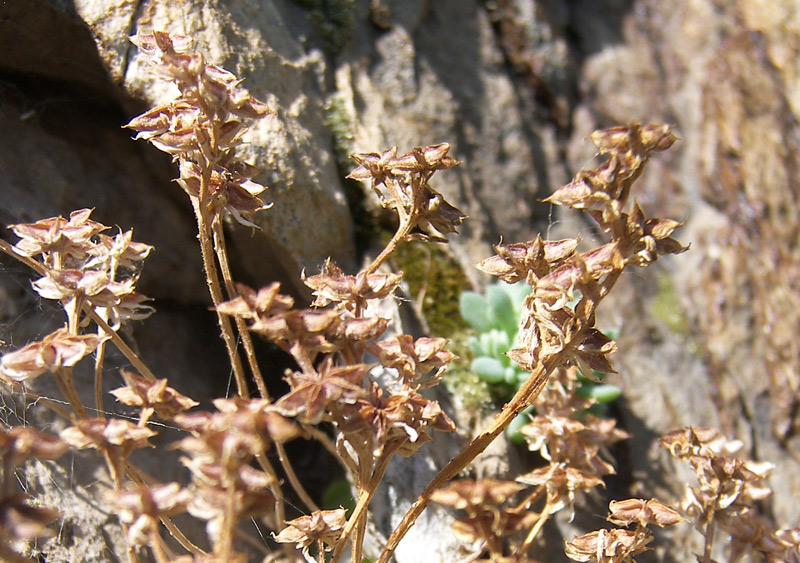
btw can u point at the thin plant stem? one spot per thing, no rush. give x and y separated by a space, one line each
212 277
524 397
244 334
365 494
121 345
63 377
293 480
158 547
280 503
709 533
547 511
98 377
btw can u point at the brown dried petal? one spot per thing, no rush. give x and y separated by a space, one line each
141 392
99 433
23 442
58 349
467 493
167 499
56 234
311 393
642 512
320 525
21 521
607 546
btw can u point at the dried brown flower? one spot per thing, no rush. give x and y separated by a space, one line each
152 396
68 239
351 292
103 433
411 358
642 512
143 507
22 442
322 527
21 520
608 546
57 350
406 179
312 392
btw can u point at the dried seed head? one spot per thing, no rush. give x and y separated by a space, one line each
59 349
320 526
643 513
152 395
468 495
20 520
23 442
607 546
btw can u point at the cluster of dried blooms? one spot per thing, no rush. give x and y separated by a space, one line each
21 520
728 495
571 440
330 342
377 409
620 545
203 127
93 276
557 325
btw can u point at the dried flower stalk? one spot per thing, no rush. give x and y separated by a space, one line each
551 333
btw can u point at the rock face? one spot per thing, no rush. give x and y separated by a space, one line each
515 86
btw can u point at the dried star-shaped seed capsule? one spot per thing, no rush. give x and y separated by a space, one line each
412 358
254 305
143 507
69 238
101 433
312 392
323 526
471 496
57 350
513 262
152 396
353 292
642 512
227 189
607 546
23 442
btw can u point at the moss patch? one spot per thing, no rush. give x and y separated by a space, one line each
666 306
433 274
334 20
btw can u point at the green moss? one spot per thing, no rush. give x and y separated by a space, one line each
342 129
473 394
334 20
428 268
666 306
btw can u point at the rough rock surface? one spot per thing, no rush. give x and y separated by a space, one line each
514 86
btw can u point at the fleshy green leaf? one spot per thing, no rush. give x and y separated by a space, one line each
517 292
490 370
513 429
501 309
499 344
603 393
475 310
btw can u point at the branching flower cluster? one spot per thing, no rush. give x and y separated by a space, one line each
353 375
557 324
728 495
620 545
